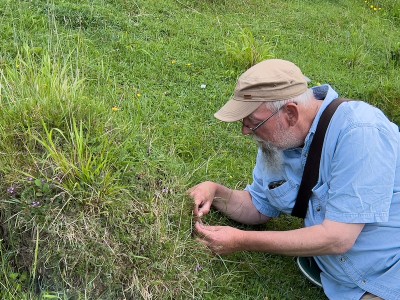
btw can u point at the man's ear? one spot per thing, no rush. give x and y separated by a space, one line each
292 113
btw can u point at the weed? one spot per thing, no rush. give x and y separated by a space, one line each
390 9
395 54
355 57
75 165
247 51
11 282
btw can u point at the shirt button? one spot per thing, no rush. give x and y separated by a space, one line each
318 208
343 259
364 282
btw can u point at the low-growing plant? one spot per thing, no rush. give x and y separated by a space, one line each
245 50
389 8
355 57
77 162
395 54
11 283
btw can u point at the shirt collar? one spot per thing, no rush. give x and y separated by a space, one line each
326 94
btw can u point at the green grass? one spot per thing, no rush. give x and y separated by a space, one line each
93 202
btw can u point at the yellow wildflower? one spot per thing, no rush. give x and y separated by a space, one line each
173 61
139 95
115 108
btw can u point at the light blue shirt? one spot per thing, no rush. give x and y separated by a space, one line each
359 182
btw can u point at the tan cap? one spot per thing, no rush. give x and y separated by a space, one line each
270 80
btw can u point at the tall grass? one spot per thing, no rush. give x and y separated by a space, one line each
245 51
67 173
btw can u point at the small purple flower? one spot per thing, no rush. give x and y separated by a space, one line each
198 268
11 190
30 179
35 204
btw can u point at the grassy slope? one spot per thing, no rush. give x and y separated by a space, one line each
124 230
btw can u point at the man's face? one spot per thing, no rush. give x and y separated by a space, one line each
276 131
283 136
273 136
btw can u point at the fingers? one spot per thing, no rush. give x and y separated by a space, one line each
192 191
198 226
202 204
215 249
201 237
206 228
201 230
203 209
205 237
203 197
205 231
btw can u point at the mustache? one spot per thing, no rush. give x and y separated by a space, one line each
273 156
264 145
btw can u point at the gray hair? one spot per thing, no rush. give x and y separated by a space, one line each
303 99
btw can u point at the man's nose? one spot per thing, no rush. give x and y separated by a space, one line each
246 130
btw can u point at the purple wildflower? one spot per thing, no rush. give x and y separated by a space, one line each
198 268
11 190
35 204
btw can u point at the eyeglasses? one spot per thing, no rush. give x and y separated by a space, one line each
261 123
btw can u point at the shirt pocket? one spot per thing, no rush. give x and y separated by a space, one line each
283 197
319 198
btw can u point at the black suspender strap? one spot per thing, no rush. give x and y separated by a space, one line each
311 169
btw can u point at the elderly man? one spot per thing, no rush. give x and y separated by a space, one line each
352 225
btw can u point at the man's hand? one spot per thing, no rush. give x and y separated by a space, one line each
203 195
220 240
236 205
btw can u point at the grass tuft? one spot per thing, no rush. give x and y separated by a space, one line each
247 50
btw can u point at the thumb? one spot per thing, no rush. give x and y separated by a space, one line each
203 210
199 226
201 229
206 229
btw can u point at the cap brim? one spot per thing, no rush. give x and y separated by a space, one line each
235 110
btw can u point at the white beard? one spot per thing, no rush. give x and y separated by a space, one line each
272 155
